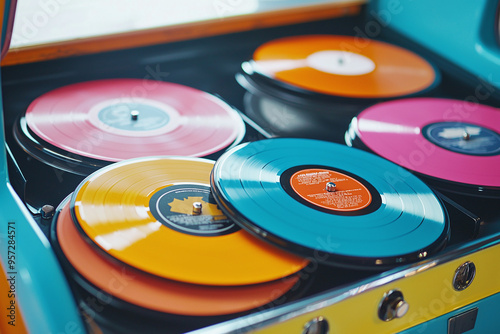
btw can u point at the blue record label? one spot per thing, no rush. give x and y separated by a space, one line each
174 207
133 116
463 138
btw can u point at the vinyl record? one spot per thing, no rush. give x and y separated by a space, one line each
452 141
143 212
343 66
375 214
51 156
117 119
155 293
284 118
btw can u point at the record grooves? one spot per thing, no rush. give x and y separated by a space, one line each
148 292
247 183
264 223
51 155
453 144
112 209
103 121
183 299
289 117
342 68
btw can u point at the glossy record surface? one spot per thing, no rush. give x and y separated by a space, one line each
93 119
112 208
156 293
409 219
344 66
395 130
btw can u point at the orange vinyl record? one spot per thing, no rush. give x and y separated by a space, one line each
344 66
155 293
158 215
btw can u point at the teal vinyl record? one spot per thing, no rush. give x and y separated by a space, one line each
332 203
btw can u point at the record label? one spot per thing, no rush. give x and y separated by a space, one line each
463 138
137 117
175 207
340 62
330 190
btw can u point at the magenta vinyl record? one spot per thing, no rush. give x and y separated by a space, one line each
446 139
117 119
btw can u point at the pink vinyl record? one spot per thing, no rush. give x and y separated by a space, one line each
118 119
452 140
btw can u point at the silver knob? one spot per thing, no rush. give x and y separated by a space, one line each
392 306
331 187
134 114
400 308
318 325
197 207
464 275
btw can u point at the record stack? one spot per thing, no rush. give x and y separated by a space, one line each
146 238
174 223
312 85
179 240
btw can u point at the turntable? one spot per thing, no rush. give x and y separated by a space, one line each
334 170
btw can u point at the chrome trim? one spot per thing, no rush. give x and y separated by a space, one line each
315 303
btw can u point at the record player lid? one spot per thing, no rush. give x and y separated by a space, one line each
8 8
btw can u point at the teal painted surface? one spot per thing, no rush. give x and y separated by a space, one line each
41 291
463 31
487 321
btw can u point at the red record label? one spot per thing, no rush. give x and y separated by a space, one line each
119 119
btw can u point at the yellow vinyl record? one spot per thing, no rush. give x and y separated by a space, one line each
158 215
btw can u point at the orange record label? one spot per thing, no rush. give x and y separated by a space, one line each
330 190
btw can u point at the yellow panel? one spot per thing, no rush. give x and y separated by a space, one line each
427 289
